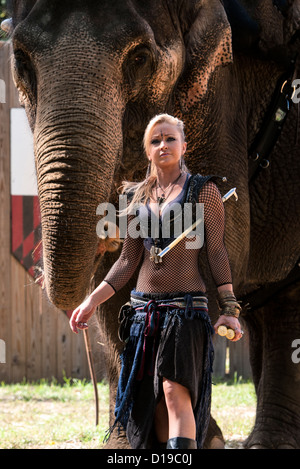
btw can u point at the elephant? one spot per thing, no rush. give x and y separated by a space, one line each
91 74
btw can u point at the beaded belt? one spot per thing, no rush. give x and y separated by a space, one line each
198 302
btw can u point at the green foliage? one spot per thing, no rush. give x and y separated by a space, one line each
3 16
3 10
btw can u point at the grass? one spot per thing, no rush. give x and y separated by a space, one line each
233 407
47 415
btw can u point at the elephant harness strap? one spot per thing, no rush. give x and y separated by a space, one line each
272 126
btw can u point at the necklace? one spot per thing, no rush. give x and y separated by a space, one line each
155 249
163 197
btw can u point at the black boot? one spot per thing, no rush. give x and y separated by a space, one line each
181 443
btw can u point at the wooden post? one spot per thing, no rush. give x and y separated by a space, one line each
5 265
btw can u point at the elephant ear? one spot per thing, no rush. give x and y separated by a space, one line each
245 29
19 10
207 39
265 27
290 13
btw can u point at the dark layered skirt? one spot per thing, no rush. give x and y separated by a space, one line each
170 337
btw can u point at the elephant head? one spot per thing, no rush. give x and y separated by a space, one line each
90 76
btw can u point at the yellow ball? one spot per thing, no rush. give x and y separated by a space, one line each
222 330
230 334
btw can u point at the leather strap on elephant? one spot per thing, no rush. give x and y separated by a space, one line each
258 298
273 123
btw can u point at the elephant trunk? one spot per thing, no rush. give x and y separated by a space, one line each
77 146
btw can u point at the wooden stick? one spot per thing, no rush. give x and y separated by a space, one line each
92 371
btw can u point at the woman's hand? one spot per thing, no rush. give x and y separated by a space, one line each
231 322
82 314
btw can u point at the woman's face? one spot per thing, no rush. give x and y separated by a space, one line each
165 146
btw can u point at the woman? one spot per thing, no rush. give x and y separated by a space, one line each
164 387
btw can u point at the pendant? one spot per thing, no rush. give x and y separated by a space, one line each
161 199
154 251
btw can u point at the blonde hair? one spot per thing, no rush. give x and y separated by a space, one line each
141 191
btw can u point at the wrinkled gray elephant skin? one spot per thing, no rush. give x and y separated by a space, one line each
91 74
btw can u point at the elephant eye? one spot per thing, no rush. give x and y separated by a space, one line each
140 56
138 67
140 60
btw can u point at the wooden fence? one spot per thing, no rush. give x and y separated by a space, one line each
37 337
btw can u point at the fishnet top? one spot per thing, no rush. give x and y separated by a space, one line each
179 270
